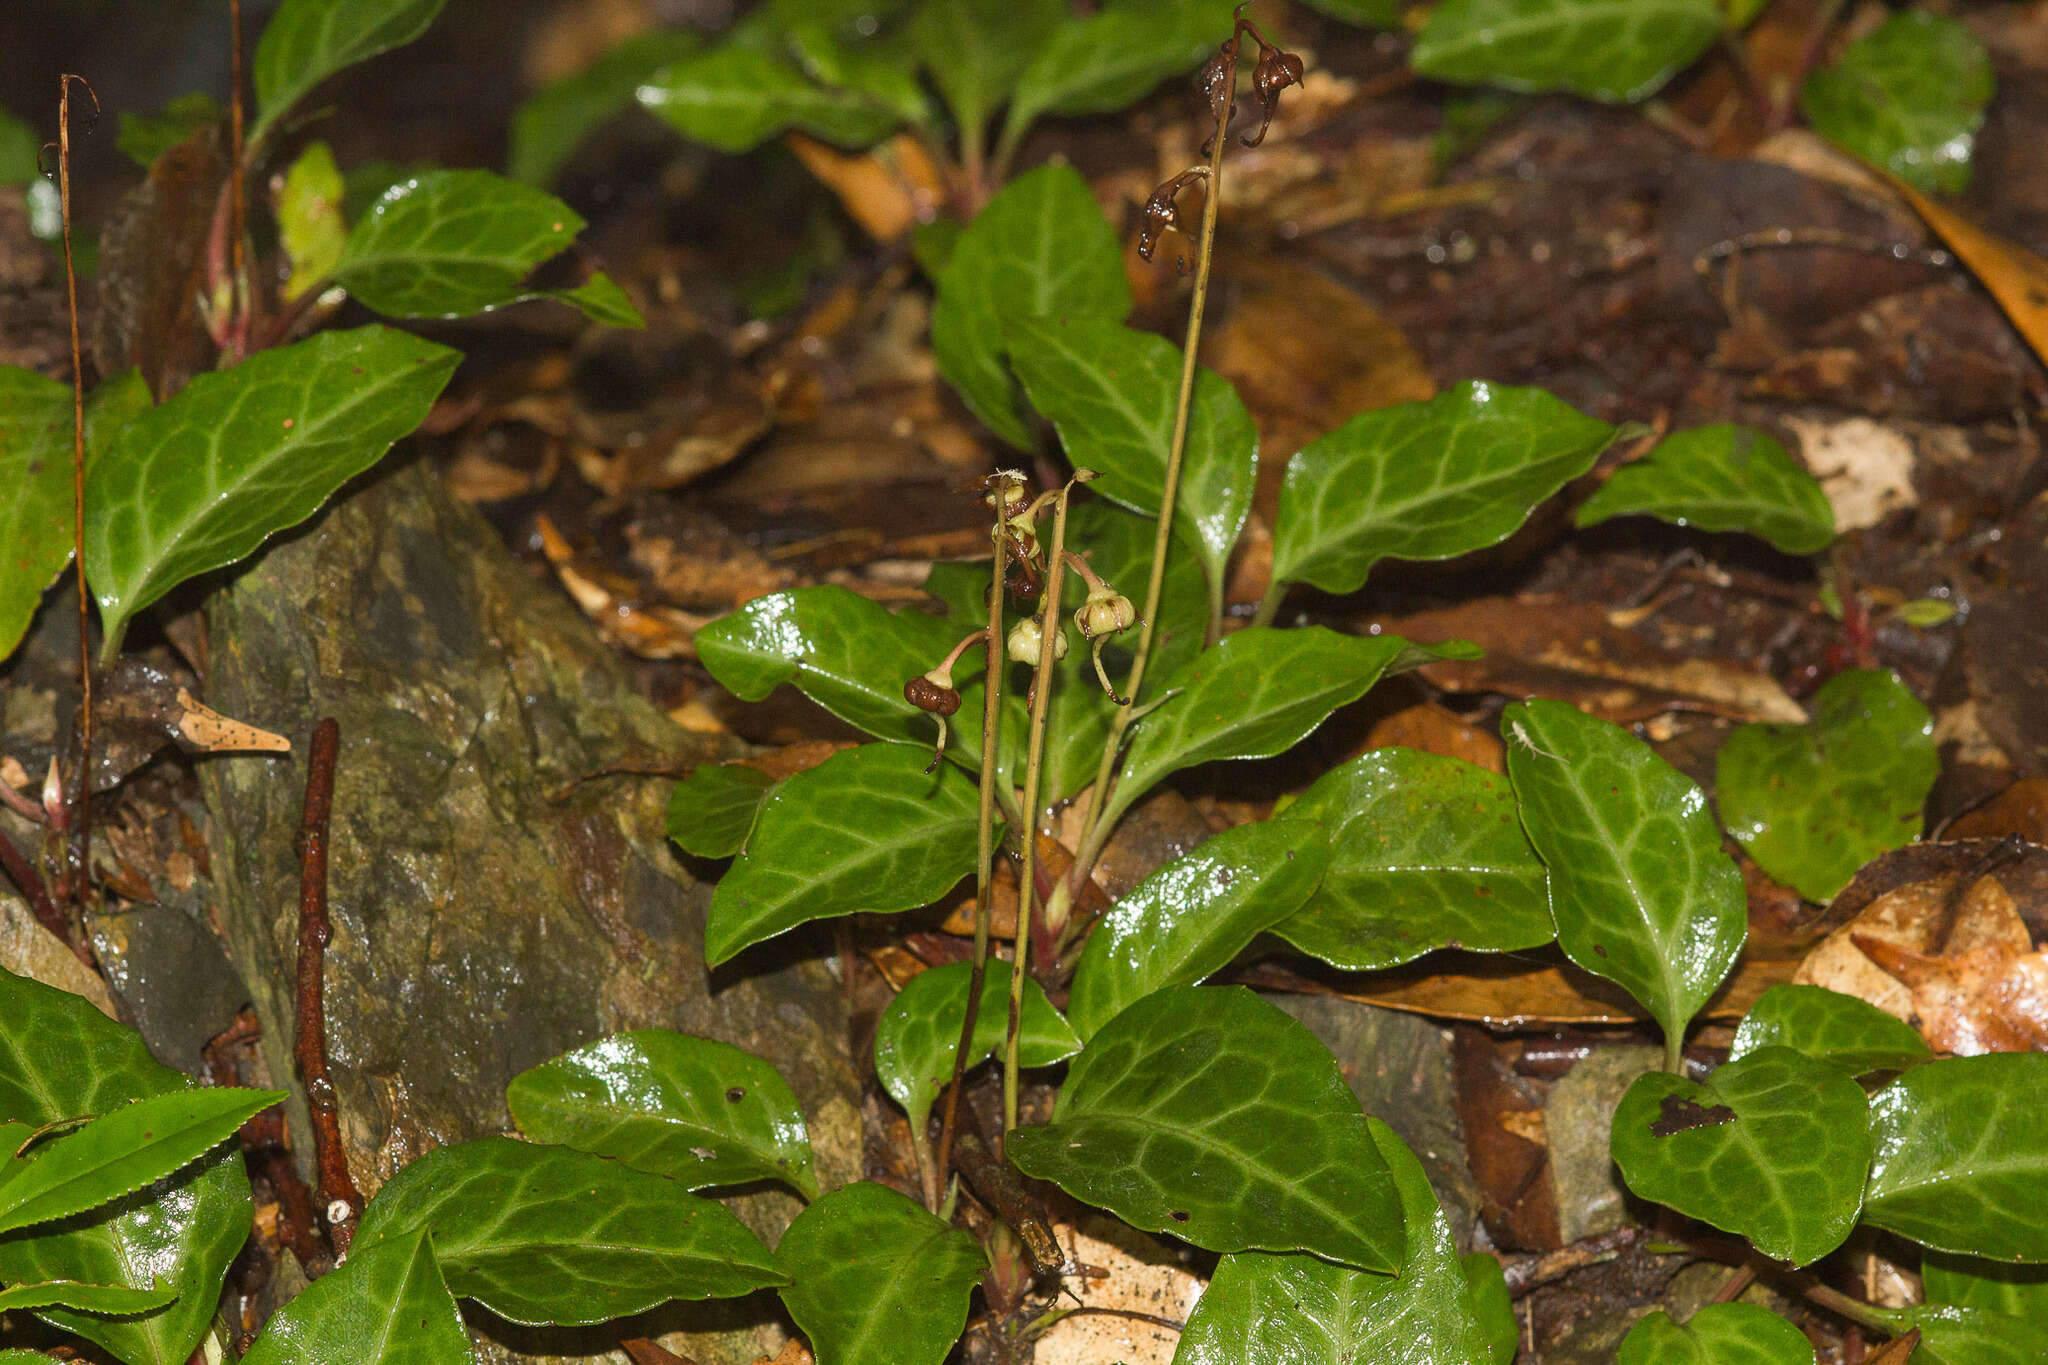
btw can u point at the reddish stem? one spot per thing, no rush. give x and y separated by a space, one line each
338 1192
23 874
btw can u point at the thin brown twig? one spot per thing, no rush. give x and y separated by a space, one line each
242 307
338 1192
81 832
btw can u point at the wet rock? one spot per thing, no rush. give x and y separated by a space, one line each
1576 1121
490 911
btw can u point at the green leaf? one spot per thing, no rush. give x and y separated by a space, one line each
36 514
1962 1156
309 221
384 1305
1193 915
1614 50
1256 694
122 1151
1113 58
1426 481
238 455
60 1058
735 97
1970 1336
1718 1334
115 1300
307 41
1263 1309
883 69
600 299
852 656
1041 248
866 830
1813 803
1721 478
920 1031
553 122
702 1113
553 1235
1909 96
442 244
1425 852
875 1280
19 150
1853 1034
1205 1112
2019 1291
711 810
1773 1147
974 50
145 137
1112 393
1492 1305
1640 890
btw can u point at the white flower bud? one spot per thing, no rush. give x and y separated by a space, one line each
1025 642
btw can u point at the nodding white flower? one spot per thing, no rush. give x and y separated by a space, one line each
1026 642
1106 612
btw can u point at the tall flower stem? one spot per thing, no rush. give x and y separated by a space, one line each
1049 637
985 846
1096 829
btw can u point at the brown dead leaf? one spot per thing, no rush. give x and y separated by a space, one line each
611 602
2015 276
1436 730
888 190
1550 647
139 708
1128 1272
793 1352
2020 809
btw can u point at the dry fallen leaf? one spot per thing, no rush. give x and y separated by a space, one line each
650 631
2015 276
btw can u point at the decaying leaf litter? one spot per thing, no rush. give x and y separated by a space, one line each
782 425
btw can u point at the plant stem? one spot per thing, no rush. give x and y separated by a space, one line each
984 870
1049 626
1095 824
81 831
243 307
1269 605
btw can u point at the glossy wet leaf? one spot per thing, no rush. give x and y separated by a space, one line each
1111 392
145 137
130 1146
735 97
234 457
553 1235
700 1112
1041 248
1971 1336
1266 1309
35 468
112 1299
1192 916
1205 1112
1813 803
875 1280
1640 890
1721 478
35 516
2019 1291
384 1305
974 50
1718 1334
866 830
1426 480
1425 852
60 1058
443 244
1962 1156
852 656
311 230
1853 1034
711 810
1113 57
880 68
1908 96
553 122
1259 693
306 41
920 1031
1615 50
1772 1147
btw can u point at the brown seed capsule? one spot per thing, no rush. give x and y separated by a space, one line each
928 693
